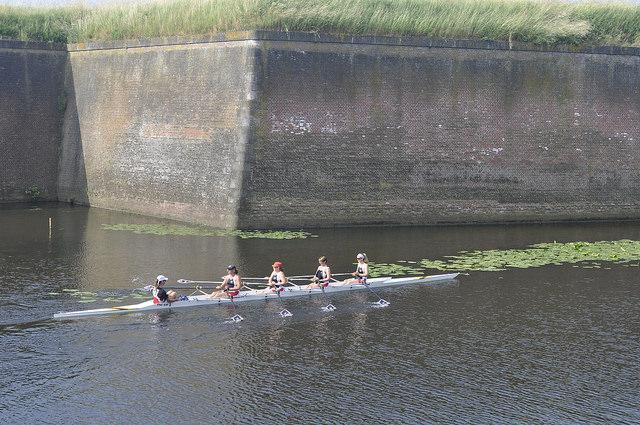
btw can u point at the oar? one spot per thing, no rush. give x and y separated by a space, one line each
208 284
312 275
255 278
381 302
329 306
203 286
253 283
284 312
236 317
188 281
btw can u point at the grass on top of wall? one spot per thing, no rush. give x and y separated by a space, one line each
39 23
535 21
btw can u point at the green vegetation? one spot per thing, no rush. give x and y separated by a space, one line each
536 21
86 297
40 23
33 192
180 230
587 254
390 269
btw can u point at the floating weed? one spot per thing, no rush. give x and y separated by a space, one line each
389 269
181 230
83 294
112 299
589 255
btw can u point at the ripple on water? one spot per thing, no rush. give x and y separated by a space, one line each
553 345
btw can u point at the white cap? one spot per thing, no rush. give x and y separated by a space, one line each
360 256
161 278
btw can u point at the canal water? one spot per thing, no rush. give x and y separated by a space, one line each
553 344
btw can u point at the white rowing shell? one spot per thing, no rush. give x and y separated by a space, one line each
257 295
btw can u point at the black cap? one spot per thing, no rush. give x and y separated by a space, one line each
231 267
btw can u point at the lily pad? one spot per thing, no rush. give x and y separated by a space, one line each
589 255
112 299
390 269
182 230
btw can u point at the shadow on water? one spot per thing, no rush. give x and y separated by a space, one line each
22 328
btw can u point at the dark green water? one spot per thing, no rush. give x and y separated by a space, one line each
554 344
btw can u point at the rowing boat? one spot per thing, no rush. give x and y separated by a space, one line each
255 295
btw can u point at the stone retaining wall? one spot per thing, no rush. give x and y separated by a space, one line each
32 104
371 133
271 130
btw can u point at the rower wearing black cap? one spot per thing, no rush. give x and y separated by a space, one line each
230 286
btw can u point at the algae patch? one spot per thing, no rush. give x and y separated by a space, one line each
390 269
180 230
589 255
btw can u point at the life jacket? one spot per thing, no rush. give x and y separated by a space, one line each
231 290
321 275
159 295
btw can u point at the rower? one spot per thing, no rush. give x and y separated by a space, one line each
362 271
161 295
277 279
322 276
231 284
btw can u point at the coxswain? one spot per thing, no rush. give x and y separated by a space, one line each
161 295
362 270
231 284
277 279
323 274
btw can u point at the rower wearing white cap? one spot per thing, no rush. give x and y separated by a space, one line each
362 271
231 284
161 295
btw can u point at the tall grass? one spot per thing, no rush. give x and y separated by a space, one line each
39 23
536 21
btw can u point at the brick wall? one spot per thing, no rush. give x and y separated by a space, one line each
32 104
369 133
160 130
269 130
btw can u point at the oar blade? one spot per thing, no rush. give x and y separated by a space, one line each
381 303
